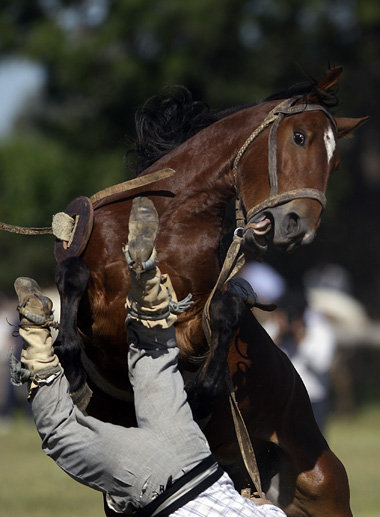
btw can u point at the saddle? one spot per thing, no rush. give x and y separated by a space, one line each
73 227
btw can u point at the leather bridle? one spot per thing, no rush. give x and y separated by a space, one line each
275 117
235 258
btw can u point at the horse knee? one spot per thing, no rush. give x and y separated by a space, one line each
71 277
226 310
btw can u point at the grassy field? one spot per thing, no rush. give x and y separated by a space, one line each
32 485
355 440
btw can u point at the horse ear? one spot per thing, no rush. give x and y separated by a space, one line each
330 79
346 125
322 87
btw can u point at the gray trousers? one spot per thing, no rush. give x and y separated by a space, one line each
131 465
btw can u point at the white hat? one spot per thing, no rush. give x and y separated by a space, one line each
267 283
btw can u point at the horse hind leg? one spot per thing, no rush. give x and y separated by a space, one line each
72 277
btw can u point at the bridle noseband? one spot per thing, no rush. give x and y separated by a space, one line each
274 117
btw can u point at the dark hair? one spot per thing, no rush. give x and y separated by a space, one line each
172 116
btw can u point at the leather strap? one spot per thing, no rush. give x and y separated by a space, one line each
135 183
235 257
280 199
244 440
103 196
233 262
25 230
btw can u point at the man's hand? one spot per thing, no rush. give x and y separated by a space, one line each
260 500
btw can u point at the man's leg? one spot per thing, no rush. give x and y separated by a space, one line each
160 399
131 465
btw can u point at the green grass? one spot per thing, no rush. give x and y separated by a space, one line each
31 484
355 440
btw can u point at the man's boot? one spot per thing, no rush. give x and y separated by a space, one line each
36 317
149 297
142 228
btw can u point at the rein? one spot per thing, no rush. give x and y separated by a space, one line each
235 259
101 198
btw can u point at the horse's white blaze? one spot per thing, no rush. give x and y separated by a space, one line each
330 143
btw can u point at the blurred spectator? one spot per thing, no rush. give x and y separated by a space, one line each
6 389
308 340
329 292
328 276
267 283
10 396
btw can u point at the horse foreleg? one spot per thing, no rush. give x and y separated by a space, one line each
71 277
210 381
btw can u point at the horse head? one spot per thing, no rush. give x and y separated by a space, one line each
293 164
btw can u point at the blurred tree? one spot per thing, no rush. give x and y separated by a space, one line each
104 58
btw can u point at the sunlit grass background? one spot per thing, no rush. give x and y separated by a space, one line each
32 485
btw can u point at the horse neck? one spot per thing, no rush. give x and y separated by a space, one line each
204 178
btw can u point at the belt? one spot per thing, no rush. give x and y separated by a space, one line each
185 489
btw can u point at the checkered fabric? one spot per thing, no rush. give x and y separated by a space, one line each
221 498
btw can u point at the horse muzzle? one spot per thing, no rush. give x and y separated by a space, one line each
285 226
292 225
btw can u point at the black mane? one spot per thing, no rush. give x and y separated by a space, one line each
165 121
169 118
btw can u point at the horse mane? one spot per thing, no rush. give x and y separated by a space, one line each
172 116
165 121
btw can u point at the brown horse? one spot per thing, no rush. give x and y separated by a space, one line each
280 180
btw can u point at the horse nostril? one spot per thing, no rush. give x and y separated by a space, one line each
292 224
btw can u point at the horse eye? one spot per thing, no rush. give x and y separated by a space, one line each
299 138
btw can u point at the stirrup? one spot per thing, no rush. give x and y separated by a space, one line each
39 321
145 265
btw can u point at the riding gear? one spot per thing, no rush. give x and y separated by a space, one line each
36 316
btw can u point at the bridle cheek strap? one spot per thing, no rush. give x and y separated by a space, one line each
274 118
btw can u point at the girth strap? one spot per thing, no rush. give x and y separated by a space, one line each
126 186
